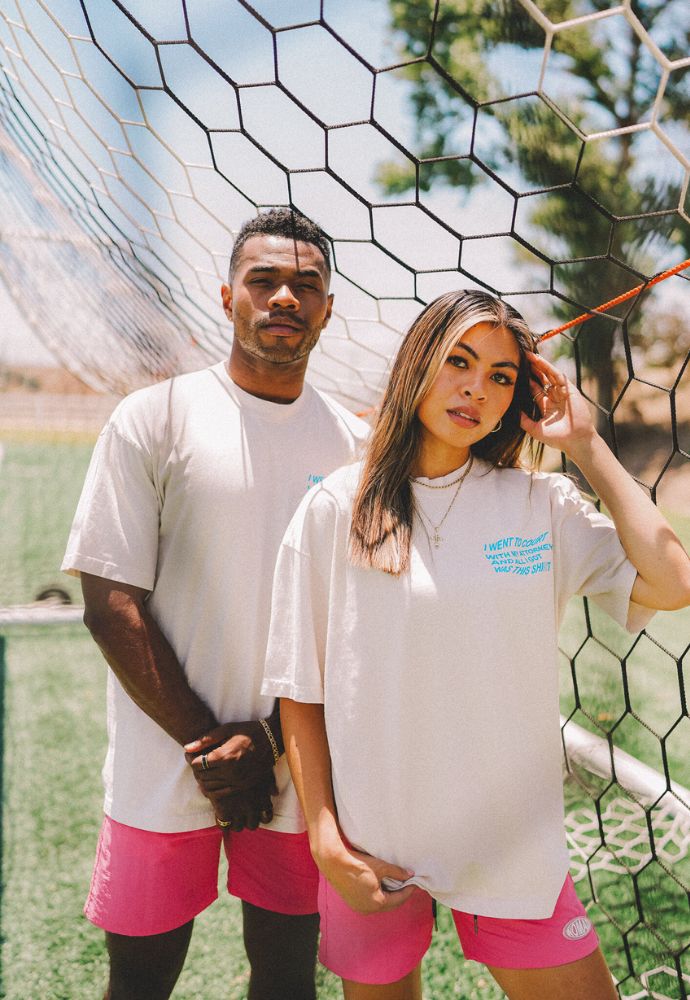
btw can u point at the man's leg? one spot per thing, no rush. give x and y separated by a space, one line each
281 949
275 876
146 968
145 892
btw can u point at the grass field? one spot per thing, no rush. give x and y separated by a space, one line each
54 746
54 741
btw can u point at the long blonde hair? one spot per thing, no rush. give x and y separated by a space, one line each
383 509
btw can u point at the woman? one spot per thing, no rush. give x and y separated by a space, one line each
413 644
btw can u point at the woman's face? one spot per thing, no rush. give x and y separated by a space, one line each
471 393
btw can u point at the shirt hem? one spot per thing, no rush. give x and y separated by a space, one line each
75 565
281 823
283 689
638 618
523 908
177 824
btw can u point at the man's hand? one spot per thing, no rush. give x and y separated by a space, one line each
244 810
233 765
232 758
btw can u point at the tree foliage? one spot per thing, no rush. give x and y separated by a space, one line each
600 210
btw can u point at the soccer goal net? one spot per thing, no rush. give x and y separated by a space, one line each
537 150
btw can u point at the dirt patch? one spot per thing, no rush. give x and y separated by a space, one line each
58 415
35 379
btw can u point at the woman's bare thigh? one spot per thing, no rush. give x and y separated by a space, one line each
408 988
587 979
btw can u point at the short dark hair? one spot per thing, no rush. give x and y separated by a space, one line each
282 222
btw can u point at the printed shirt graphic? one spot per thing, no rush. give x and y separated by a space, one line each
520 556
455 658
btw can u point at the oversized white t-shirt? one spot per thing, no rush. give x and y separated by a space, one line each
440 686
189 491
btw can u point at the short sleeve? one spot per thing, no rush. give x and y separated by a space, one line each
295 655
589 558
115 528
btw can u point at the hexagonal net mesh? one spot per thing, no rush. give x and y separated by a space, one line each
539 150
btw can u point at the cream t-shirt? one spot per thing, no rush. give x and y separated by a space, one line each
189 491
441 687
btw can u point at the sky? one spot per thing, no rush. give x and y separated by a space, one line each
161 178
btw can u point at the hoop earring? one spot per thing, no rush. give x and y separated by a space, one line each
497 427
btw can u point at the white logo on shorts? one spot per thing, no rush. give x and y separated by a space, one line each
577 928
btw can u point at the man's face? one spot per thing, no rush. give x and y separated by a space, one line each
279 300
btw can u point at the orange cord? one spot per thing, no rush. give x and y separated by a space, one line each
614 302
595 312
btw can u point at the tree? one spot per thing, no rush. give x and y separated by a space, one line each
594 218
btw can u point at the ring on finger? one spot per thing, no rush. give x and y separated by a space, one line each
223 823
204 762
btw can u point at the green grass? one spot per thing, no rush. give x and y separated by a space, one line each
54 747
40 483
54 742
653 668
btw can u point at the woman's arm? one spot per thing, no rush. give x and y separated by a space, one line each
651 545
355 876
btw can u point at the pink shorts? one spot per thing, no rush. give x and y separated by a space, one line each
384 947
148 883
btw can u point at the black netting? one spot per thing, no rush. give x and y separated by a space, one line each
536 150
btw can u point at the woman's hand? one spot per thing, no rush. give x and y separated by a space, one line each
663 566
357 878
566 421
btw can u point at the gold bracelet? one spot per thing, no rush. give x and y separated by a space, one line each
271 740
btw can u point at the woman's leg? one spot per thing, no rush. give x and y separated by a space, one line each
377 956
408 988
587 979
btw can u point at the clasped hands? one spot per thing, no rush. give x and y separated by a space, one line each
233 766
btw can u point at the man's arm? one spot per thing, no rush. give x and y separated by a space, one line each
144 663
142 659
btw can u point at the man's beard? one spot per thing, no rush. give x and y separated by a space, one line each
280 353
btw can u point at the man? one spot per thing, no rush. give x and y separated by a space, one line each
190 488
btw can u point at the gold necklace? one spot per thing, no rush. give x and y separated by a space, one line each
446 486
436 538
